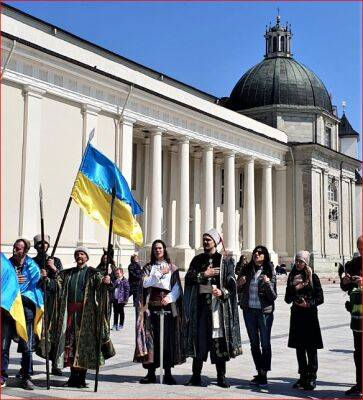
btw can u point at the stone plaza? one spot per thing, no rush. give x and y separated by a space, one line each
119 377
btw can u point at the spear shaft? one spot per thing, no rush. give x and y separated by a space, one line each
43 266
102 302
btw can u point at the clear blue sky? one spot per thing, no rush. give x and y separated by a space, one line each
209 45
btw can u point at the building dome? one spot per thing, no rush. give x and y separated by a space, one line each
279 79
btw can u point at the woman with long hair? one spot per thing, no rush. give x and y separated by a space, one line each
304 291
162 292
257 294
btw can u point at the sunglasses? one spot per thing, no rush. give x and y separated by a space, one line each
259 252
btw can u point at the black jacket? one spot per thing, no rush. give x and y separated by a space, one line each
267 292
352 267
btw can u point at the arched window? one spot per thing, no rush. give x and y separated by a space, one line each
282 44
274 45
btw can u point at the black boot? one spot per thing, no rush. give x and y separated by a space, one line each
310 382
150 377
196 379
168 378
221 374
73 380
82 378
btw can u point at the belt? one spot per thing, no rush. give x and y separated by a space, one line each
205 289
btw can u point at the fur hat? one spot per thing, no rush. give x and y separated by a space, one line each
38 238
214 234
26 242
83 249
303 256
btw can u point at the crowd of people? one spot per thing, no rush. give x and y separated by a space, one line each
200 319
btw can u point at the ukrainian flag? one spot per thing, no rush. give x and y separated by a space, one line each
92 191
11 298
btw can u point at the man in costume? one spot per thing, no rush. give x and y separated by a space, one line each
212 323
81 301
53 267
32 299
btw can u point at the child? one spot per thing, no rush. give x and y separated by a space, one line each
304 291
120 298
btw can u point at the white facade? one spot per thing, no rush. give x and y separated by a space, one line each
191 163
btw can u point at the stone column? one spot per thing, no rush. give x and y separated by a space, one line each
218 193
196 204
229 211
267 220
30 171
280 210
126 148
183 198
156 186
146 190
250 203
86 225
173 195
207 190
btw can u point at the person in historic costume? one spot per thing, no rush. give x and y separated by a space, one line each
53 267
32 299
81 293
162 292
304 291
211 312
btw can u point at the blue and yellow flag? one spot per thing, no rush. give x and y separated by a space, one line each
92 191
10 296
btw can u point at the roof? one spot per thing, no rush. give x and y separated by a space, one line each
345 129
279 80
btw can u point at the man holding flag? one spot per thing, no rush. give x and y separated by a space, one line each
103 194
28 276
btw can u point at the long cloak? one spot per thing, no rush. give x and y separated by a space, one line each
87 345
144 350
232 336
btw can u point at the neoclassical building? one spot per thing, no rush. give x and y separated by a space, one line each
269 164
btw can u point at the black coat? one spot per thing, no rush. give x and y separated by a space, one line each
304 323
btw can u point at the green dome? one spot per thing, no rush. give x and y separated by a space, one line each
279 80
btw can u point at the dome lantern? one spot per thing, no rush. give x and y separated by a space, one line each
278 40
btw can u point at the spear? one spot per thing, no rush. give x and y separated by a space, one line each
102 303
43 261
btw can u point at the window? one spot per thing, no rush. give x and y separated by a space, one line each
274 44
333 207
327 137
222 186
282 43
240 190
332 190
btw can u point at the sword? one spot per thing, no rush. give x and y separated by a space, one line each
162 314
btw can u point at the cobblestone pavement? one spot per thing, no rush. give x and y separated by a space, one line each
119 378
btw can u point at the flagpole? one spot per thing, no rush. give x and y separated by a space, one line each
102 302
61 227
43 261
91 135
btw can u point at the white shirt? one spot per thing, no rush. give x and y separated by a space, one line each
158 280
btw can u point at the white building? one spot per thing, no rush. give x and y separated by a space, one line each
278 179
